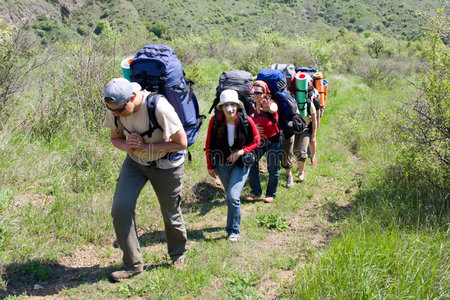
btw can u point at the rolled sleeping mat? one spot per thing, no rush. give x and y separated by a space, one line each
325 89
318 84
301 92
125 65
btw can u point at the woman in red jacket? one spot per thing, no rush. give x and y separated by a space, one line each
266 119
232 136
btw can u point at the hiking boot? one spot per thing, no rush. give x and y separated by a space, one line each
124 273
234 238
180 262
289 181
301 177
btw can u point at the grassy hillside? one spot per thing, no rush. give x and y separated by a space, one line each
53 20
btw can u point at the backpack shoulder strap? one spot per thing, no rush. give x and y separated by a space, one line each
152 100
269 116
116 122
246 123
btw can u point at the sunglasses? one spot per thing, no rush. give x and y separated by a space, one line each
258 93
118 109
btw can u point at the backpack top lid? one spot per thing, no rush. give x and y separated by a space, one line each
238 80
305 69
309 70
276 82
288 70
155 61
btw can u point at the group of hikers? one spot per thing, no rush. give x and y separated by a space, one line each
148 124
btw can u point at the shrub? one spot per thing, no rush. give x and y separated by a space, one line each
102 25
106 13
375 47
17 59
159 29
82 30
422 135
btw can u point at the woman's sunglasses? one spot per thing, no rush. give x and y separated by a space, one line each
258 93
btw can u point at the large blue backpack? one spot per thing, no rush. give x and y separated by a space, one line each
158 70
290 121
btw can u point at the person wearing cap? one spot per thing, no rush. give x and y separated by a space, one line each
146 160
231 138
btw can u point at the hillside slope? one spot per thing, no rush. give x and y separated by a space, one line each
238 18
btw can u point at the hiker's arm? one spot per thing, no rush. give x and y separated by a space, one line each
207 149
178 141
119 140
256 137
314 128
269 106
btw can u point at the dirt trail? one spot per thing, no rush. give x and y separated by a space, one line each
91 263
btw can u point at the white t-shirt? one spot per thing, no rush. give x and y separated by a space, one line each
139 122
230 130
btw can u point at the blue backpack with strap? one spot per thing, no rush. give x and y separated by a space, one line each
290 120
309 70
158 70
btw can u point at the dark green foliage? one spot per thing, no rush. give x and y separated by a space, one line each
82 30
102 25
106 13
159 29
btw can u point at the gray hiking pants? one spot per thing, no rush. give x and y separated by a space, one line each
167 184
287 158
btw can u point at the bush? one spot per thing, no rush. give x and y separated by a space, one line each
159 29
82 30
17 59
102 25
422 135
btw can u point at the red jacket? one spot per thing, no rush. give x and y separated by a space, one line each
215 142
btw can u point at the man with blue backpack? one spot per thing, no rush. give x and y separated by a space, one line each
154 126
148 159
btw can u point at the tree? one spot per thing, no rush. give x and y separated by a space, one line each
422 136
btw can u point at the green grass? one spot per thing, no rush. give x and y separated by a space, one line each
354 229
394 242
368 261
